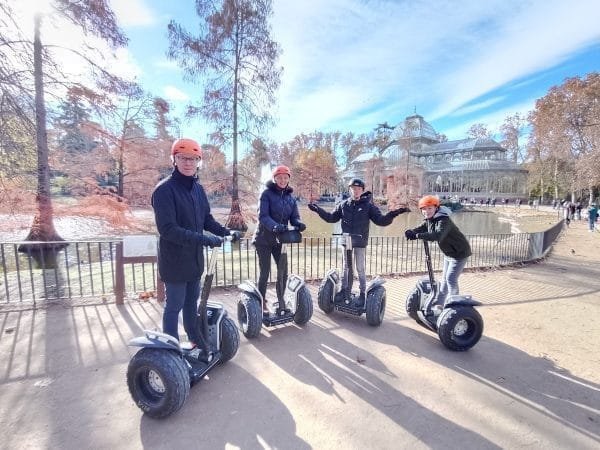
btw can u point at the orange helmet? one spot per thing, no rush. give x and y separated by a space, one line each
282 169
186 147
429 200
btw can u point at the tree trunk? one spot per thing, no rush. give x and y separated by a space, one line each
42 228
556 179
235 220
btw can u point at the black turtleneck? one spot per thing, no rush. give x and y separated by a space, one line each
187 181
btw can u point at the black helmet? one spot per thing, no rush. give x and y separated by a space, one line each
357 182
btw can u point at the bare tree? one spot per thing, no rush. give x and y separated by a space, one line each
234 49
93 17
479 131
512 130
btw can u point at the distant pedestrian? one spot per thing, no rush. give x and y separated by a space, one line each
578 208
572 210
592 216
566 213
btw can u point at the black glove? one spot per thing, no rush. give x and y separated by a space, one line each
300 227
410 235
279 228
313 207
235 235
397 212
212 241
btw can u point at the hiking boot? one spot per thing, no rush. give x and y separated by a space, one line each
196 353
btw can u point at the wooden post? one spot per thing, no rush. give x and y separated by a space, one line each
119 275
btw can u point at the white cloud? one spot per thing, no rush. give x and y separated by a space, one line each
344 58
173 93
476 107
133 13
538 36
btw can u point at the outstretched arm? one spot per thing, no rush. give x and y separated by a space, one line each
384 219
331 217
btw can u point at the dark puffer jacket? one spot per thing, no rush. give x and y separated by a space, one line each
440 228
276 206
182 213
355 216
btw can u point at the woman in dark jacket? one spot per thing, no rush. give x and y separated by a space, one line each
454 245
277 208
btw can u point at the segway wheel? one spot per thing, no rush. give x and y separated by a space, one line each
460 328
230 340
325 296
376 306
413 303
304 308
158 381
249 314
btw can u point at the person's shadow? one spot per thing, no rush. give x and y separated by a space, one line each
321 359
223 414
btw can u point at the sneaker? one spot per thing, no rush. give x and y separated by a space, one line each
188 346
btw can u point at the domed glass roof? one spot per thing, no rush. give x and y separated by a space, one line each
414 127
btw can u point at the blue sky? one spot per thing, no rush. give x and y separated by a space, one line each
351 64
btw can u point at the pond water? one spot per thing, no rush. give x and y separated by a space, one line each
470 222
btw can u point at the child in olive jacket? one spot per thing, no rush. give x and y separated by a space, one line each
438 227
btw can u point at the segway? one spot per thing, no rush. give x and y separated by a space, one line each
294 302
332 297
160 375
458 324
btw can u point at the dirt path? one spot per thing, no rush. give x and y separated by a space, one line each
533 381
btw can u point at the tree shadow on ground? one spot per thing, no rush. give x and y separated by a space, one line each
534 382
333 365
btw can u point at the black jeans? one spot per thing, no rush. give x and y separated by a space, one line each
264 264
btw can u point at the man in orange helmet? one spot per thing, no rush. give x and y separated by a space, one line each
438 227
182 214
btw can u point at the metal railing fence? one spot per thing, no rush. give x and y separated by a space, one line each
87 269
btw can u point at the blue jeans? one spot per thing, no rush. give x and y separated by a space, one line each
449 283
182 296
